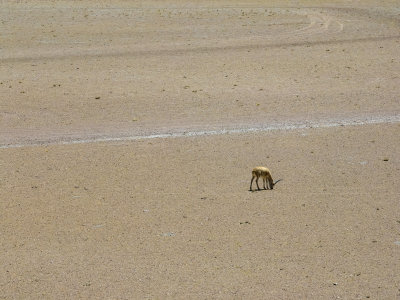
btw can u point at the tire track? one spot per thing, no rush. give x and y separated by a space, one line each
326 28
174 52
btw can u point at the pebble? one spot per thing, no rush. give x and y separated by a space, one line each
168 234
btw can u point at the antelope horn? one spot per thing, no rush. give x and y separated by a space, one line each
277 181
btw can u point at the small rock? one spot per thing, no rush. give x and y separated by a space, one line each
168 234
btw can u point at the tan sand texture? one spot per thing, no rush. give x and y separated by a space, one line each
129 129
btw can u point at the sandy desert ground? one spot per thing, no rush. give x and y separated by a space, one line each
128 131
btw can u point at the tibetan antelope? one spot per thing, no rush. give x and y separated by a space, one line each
265 174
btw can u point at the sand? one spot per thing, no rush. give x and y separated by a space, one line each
128 132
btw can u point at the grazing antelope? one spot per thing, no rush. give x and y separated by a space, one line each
265 174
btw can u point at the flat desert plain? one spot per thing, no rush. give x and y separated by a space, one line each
129 129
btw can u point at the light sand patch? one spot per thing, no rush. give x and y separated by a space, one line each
187 132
